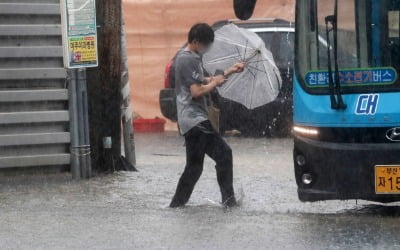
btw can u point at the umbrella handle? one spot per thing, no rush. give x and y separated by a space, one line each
219 72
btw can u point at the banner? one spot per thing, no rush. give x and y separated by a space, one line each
79 33
156 29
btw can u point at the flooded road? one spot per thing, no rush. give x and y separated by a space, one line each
130 210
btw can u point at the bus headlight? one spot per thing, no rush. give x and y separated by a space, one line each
301 160
307 179
305 131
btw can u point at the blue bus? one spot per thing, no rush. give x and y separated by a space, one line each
347 100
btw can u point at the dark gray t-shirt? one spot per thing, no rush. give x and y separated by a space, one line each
188 71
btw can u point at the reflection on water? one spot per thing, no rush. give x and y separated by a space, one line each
131 208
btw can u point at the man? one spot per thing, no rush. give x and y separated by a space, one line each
200 138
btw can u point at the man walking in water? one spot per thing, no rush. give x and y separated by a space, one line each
200 137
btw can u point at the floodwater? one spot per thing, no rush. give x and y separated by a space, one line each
129 210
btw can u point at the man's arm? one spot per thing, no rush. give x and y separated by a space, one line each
198 90
237 68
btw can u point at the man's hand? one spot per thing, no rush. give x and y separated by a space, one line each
219 79
237 68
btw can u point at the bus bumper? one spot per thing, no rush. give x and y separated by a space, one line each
341 171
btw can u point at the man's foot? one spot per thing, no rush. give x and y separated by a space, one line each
230 202
175 204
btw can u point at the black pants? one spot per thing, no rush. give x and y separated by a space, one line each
202 140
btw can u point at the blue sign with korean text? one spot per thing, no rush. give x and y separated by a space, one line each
352 77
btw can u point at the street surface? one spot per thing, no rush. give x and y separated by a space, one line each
129 210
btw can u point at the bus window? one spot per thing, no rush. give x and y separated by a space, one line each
347 51
368 43
392 48
393 24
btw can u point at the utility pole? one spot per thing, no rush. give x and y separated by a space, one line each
104 84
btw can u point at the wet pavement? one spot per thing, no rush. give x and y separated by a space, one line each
129 210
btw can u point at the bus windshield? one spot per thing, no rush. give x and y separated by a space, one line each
368 45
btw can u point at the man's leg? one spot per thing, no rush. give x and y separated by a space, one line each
195 152
221 153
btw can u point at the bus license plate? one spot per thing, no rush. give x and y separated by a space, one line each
387 179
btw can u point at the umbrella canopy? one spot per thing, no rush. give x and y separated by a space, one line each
260 82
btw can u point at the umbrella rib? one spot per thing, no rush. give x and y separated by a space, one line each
256 68
230 42
270 82
269 78
237 45
255 53
245 50
254 75
259 61
239 52
221 59
252 94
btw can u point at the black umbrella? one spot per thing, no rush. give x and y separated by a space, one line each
244 8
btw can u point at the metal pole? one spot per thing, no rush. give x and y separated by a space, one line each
128 133
73 110
80 125
83 121
82 78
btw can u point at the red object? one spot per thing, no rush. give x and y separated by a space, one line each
167 84
149 125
